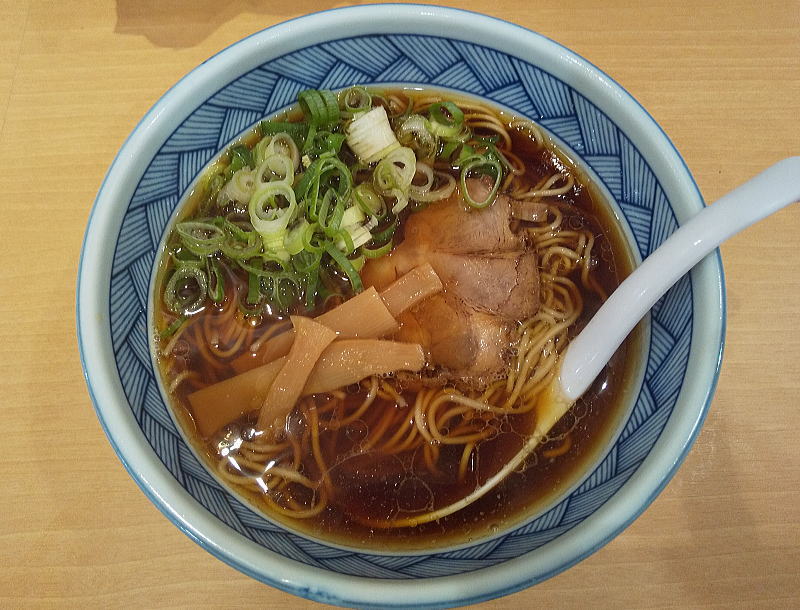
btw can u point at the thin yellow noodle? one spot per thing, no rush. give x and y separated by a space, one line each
530 393
411 441
491 124
405 426
322 503
463 463
332 404
234 349
313 421
516 166
273 330
394 394
375 434
549 228
431 454
208 357
368 400
423 396
548 190
435 421
451 413
532 130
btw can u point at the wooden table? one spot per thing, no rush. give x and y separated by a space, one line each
722 78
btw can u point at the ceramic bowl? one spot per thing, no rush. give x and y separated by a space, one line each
632 159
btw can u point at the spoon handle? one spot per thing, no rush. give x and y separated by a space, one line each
587 354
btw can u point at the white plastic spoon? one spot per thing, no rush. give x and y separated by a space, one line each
587 354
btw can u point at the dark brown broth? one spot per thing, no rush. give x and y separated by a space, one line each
372 486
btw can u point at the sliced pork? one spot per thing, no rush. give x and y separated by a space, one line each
490 278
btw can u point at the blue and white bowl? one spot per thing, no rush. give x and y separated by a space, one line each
389 44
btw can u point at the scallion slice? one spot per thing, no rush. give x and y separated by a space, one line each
369 201
272 208
345 265
185 291
396 170
483 165
446 119
216 281
355 99
320 107
202 238
379 251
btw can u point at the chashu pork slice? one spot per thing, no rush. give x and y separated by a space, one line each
490 279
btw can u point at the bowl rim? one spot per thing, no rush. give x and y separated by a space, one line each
314 583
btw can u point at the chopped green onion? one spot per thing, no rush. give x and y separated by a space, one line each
355 99
379 251
386 233
323 142
345 265
183 257
275 245
186 290
414 133
369 201
309 236
319 107
268 214
401 200
483 165
241 186
359 236
294 239
370 135
331 105
312 282
307 262
216 283
238 249
201 238
353 215
448 149
446 119
358 262
445 188
263 265
344 241
253 289
274 168
240 157
396 170
325 174
297 131
283 144
214 185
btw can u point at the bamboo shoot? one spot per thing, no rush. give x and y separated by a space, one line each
343 362
311 339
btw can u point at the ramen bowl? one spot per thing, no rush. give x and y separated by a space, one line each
619 144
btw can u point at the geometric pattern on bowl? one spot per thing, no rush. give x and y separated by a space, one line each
372 60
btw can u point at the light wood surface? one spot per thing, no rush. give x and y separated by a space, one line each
722 78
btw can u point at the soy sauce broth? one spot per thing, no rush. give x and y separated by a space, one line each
372 486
